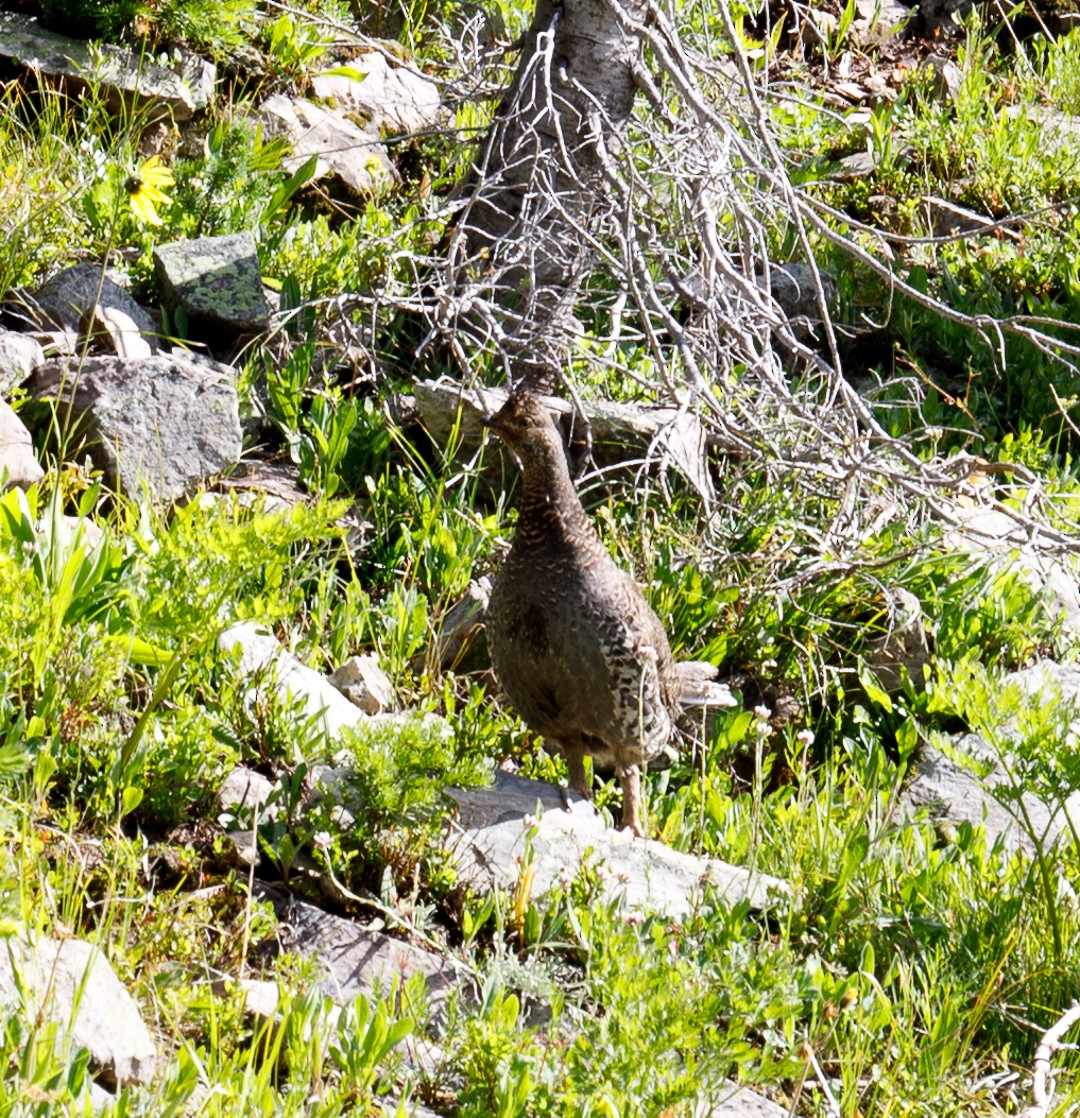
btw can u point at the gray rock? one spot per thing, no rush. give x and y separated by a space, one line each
64 299
216 281
354 155
56 343
19 357
878 21
391 1108
954 793
494 823
273 484
356 960
794 288
857 165
732 1101
621 433
17 461
71 982
1050 682
388 101
166 422
263 659
260 995
245 792
245 848
947 219
1057 127
946 76
270 666
1005 544
363 682
125 77
460 644
903 648
72 531
198 74
334 783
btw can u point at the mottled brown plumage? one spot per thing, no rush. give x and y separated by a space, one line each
577 649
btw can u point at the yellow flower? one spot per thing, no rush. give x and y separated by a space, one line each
145 190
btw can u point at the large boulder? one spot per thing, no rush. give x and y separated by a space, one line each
498 828
167 422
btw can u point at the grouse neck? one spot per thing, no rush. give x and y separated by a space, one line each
551 511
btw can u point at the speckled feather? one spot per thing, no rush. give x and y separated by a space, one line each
577 649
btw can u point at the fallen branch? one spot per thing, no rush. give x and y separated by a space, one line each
1042 1077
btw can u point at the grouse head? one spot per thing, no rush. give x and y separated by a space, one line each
525 426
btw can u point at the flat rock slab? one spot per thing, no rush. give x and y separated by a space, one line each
17 461
389 100
70 982
341 148
165 422
124 76
647 875
216 281
621 435
357 960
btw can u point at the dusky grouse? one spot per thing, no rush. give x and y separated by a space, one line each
575 646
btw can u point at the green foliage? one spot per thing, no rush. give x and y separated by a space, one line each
294 47
234 184
401 768
498 1060
90 19
43 1068
213 27
51 150
992 147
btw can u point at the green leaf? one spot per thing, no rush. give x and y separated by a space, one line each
301 176
873 692
130 799
344 72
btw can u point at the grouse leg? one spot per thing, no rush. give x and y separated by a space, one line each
579 782
630 782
